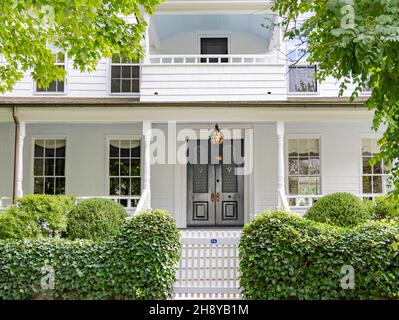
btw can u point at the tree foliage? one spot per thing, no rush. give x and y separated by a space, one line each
355 41
86 30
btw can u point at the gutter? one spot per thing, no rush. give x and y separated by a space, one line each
16 154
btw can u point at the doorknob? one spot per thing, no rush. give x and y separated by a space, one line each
213 197
217 196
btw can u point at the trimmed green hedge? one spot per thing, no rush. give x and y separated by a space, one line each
284 256
386 207
139 263
95 219
36 216
339 209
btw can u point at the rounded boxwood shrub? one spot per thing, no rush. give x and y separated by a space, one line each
36 216
139 263
284 256
340 209
95 219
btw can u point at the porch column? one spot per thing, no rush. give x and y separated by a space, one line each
146 40
147 163
282 199
19 160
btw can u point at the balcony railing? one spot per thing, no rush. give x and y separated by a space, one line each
213 59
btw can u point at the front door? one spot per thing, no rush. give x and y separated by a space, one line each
215 187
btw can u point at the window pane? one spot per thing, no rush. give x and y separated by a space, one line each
127 72
303 183
366 147
136 72
116 58
125 148
114 148
374 146
301 79
366 165
126 86
114 167
314 185
60 186
60 167
377 184
38 167
49 186
60 148
114 187
52 87
303 166
61 86
135 187
367 184
39 148
135 167
303 148
377 168
124 167
314 147
314 166
116 72
293 185
60 57
293 165
125 186
116 86
49 165
135 86
49 148
38 185
135 149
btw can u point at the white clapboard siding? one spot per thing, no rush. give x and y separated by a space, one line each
209 263
213 82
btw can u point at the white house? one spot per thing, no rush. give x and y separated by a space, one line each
215 125
126 130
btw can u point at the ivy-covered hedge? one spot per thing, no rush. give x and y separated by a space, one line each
284 256
139 263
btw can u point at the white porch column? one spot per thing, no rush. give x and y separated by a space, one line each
146 40
282 199
147 163
20 161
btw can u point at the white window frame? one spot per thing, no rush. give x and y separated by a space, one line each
32 158
110 64
303 137
384 176
107 156
54 93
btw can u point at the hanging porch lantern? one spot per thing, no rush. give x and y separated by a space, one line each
216 136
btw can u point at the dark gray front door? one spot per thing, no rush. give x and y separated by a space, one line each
215 192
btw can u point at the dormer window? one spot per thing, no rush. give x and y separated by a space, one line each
125 76
57 86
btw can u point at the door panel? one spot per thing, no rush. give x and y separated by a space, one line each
215 192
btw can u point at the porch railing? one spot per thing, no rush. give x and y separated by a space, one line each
304 202
213 59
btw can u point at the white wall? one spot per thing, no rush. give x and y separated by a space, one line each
189 43
6 158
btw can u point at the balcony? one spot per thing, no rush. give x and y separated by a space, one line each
213 57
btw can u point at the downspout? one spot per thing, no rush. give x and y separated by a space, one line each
16 154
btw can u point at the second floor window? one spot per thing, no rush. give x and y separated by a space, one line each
302 79
374 177
49 166
57 86
304 166
125 76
